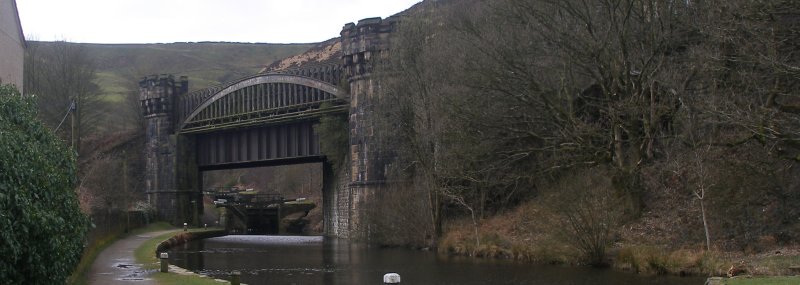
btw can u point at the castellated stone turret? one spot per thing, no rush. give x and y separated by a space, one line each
157 94
362 45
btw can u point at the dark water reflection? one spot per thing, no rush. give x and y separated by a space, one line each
317 260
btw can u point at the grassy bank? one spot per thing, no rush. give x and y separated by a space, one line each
778 280
79 276
145 255
524 234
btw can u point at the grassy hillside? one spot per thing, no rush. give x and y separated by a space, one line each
120 66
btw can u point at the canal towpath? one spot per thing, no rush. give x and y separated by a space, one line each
117 265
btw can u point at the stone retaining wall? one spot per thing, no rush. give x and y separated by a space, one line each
185 237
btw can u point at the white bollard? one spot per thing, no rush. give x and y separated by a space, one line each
185 227
236 277
391 278
164 262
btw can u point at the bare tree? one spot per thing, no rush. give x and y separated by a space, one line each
62 75
750 70
486 99
409 102
702 184
586 211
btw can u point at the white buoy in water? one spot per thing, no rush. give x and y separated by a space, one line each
391 278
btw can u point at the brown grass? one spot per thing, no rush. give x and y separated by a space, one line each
648 259
524 234
520 234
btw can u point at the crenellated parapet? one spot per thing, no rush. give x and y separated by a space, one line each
157 93
362 42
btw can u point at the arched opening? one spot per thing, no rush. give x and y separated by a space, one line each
273 200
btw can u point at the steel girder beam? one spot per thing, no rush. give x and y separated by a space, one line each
279 144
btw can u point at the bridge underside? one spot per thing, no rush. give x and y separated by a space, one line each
291 143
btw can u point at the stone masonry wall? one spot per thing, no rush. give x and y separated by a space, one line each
336 195
362 45
162 161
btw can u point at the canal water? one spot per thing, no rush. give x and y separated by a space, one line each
318 260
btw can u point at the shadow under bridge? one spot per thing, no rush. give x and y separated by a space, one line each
258 213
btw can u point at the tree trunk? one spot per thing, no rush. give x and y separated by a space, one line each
475 227
436 216
705 224
650 128
438 220
482 203
618 145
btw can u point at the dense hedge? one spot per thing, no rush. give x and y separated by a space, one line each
42 230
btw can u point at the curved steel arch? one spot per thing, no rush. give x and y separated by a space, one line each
262 79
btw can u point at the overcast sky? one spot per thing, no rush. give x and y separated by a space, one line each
166 21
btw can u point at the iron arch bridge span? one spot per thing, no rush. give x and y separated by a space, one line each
263 99
262 120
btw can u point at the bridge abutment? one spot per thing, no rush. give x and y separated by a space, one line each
363 45
171 175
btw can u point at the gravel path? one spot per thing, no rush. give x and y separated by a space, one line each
116 264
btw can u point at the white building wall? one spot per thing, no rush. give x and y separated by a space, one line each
12 45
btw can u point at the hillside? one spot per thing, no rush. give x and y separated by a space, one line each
120 66
206 64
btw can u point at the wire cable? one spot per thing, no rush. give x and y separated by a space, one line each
69 110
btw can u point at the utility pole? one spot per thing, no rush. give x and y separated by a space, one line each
125 192
76 103
72 109
72 129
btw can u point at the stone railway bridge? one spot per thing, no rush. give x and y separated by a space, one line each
266 120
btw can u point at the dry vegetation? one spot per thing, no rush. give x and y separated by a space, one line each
327 51
658 136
